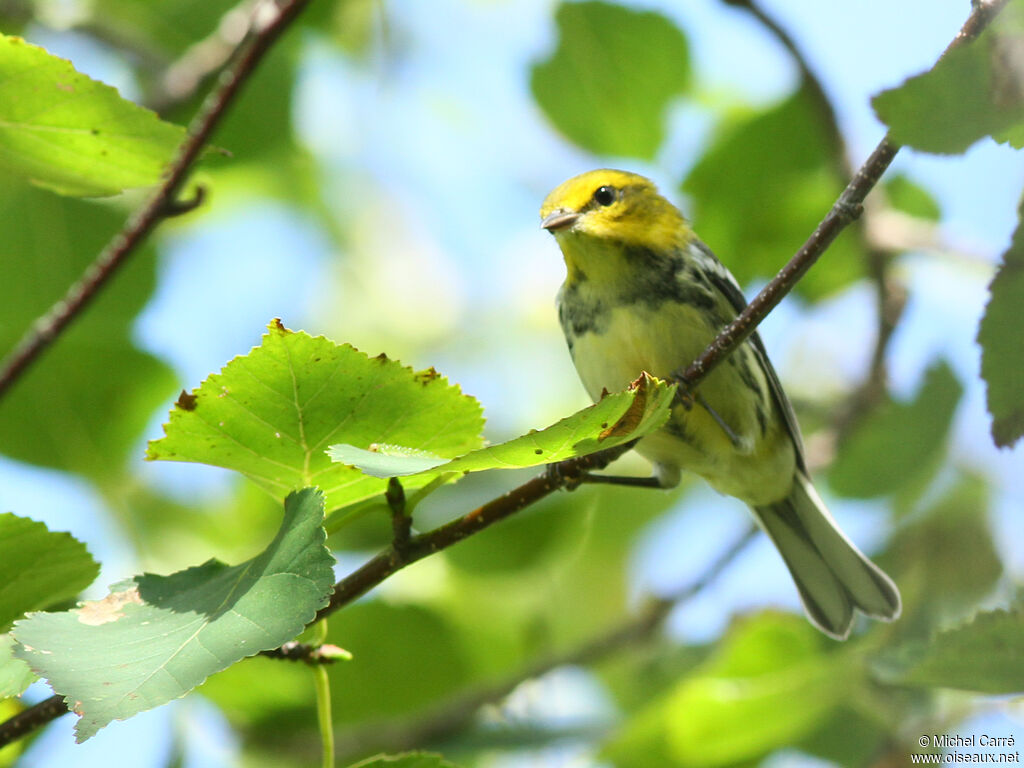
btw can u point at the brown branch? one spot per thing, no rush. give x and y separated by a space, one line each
566 473
890 295
845 210
308 653
162 203
395 558
32 718
819 98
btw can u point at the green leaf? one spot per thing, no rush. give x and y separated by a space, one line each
985 655
945 560
272 413
608 84
617 419
1002 343
767 685
782 155
165 29
15 674
974 91
39 568
154 638
66 132
406 658
84 406
911 198
899 444
405 760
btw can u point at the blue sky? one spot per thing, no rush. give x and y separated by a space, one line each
453 158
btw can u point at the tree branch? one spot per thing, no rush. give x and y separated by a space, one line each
395 558
890 295
390 561
269 20
845 210
264 32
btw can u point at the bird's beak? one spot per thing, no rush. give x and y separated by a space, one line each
559 219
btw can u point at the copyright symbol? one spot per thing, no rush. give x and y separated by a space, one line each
923 741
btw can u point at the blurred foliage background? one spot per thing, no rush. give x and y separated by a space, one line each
379 185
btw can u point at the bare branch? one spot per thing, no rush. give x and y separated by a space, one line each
845 210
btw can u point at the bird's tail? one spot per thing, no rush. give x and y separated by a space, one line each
833 577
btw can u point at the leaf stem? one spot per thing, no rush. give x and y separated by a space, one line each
323 714
323 700
401 521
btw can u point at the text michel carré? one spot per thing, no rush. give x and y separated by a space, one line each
972 741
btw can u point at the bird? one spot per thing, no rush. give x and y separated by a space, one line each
643 293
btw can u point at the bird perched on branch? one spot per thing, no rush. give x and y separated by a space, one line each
643 293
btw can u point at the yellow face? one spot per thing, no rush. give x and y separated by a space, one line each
614 205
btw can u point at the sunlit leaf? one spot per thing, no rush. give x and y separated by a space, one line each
272 413
154 638
762 187
616 419
39 568
64 131
900 442
1002 343
614 72
976 90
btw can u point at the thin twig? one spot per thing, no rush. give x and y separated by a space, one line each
313 654
160 205
890 295
45 330
390 561
393 559
845 210
816 90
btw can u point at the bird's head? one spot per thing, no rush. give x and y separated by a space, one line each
612 206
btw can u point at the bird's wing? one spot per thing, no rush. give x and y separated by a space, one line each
726 284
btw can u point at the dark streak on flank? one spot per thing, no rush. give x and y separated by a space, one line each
658 278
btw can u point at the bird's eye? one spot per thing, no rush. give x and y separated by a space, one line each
605 195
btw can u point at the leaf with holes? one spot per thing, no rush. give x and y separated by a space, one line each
272 413
66 132
155 638
616 419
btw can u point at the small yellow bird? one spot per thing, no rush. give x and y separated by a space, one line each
643 293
